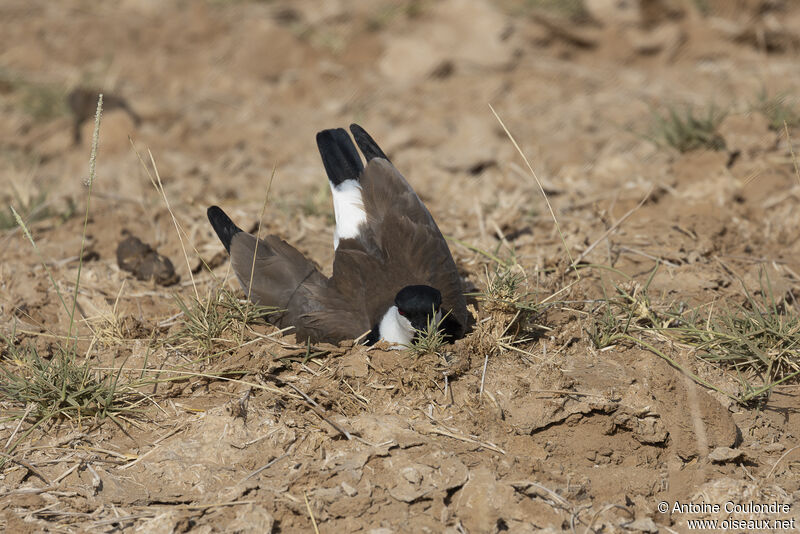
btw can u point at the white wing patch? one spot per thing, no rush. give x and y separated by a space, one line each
348 208
396 329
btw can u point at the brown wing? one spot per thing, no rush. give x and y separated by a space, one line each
340 303
309 301
386 191
404 239
277 272
274 273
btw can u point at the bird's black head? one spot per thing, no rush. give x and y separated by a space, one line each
418 304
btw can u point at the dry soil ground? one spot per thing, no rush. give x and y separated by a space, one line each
526 424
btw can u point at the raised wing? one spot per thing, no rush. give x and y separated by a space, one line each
402 230
343 166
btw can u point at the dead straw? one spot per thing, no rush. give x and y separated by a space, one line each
541 188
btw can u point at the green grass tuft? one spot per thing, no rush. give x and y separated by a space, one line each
758 340
574 10
384 16
42 101
60 387
34 209
507 286
685 131
205 322
778 109
430 339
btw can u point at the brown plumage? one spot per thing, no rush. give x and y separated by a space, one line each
392 244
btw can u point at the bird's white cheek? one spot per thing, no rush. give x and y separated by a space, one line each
406 325
395 328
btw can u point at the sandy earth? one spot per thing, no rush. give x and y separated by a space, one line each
549 434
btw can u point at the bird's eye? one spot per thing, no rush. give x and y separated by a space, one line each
401 312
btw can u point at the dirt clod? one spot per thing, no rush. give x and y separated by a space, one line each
145 263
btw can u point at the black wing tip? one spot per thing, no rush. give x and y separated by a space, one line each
329 137
367 144
223 226
339 155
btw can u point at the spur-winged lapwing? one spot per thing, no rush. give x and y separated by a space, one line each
392 269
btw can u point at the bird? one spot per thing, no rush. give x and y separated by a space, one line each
393 273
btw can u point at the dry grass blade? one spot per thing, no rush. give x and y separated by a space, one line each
483 374
90 184
269 464
258 234
791 151
784 455
180 375
321 413
544 492
21 420
159 186
178 229
611 229
311 514
541 187
27 466
484 444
